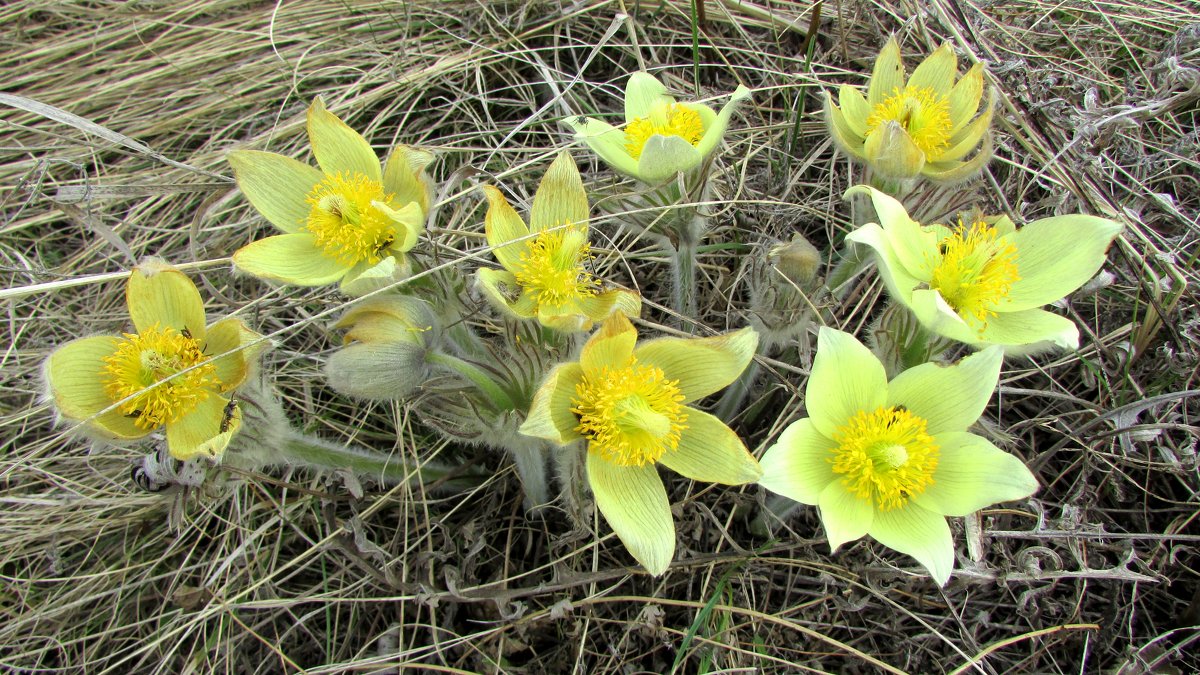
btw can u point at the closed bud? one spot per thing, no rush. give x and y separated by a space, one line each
797 260
388 340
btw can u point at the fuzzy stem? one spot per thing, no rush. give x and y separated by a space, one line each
302 449
530 459
499 398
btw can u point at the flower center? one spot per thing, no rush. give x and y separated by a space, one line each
552 267
349 227
921 111
664 120
153 356
975 271
631 416
885 456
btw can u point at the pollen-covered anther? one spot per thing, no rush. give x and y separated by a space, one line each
921 112
631 415
165 357
671 119
554 266
345 221
885 456
975 271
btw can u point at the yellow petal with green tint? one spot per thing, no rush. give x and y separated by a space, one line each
846 516
337 147
892 153
887 75
73 376
610 346
714 130
798 465
899 282
404 176
967 139
602 305
643 93
633 501
158 294
364 277
965 97
937 71
665 156
702 366
550 415
948 398
920 533
276 186
205 431
841 132
500 287
846 378
409 223
972 474
1030 330
912 246
607 141
289 258
711 452
560 197
503 225
1057 255
854 109
241 347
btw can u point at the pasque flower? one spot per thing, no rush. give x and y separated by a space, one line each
923 125
985 282
629 403
546 274
661 137
172 371
893 459
346 221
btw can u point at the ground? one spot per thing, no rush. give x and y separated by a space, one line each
289 570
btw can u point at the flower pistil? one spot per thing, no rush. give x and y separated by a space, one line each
346 219
142 361
975 271
885 456
631 415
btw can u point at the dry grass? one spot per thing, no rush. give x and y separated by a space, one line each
277 574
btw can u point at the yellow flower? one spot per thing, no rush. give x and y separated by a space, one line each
984 283
545 264
347 221
924 125
661 138
172 371
629 404
893 459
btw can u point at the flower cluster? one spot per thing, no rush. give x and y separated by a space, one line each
505 362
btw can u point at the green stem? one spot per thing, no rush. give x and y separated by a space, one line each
305 450
530 459
683 280
499 398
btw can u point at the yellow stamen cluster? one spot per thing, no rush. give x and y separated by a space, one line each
885 456
348 226
667 120
553 266
148 358
923 113
632 415
975 271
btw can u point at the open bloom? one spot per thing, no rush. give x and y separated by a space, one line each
661 138
347 221
893 459
985 282
173 370
629 404
924 125
545 264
